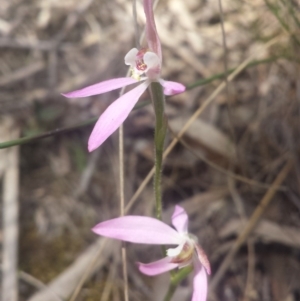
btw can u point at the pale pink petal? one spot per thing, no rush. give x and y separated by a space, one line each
138 229
199 283
130 57
157 267
102 87
151 59
114 116
180 219
172 88
151 32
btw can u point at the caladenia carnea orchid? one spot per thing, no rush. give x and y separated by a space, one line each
148 230
145 65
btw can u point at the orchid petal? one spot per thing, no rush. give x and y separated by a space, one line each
151 32
151 60
157 267
180 219
102 87
130 57
199 283
138 229
114 116
172 88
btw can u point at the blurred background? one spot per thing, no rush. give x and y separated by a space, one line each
240 154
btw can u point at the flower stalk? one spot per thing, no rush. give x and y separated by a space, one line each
158 101
176 278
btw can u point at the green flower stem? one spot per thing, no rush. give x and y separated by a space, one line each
161 125
175 280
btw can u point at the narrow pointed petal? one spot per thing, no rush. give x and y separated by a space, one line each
180 219
151 32
138 229
102 87
172 88
199 283
157 267
114 116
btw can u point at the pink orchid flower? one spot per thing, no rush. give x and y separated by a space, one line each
145 65
148 230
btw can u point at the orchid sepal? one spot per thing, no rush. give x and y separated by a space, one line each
151 32
138 229
114 116
102 87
